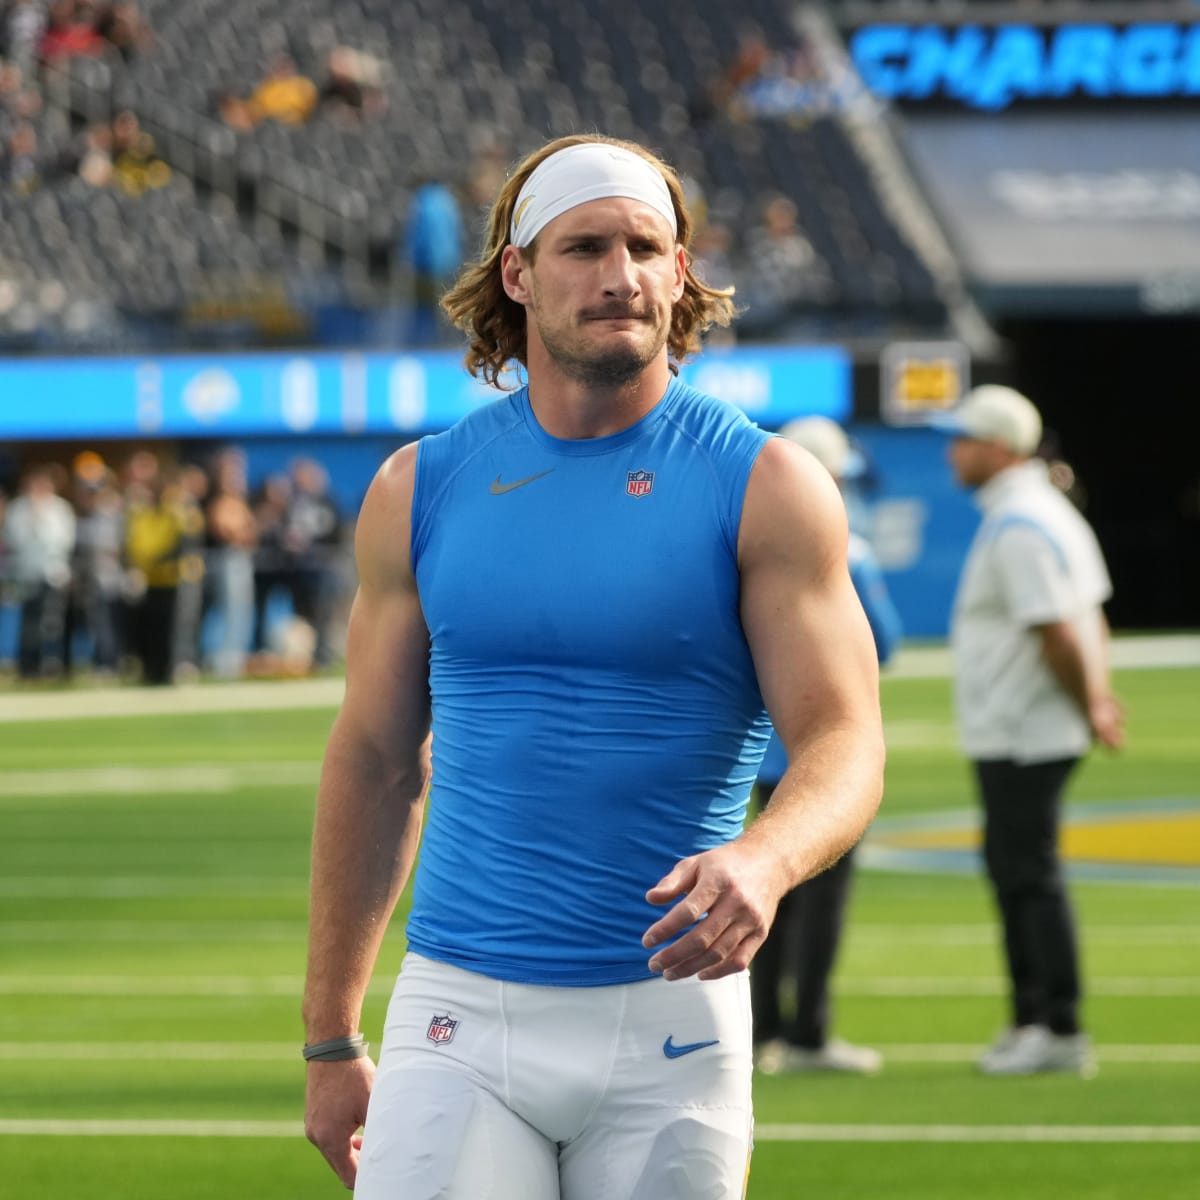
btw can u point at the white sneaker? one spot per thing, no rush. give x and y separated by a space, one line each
778 1057
1032 1048
769 1056
1071 1052
1016 1051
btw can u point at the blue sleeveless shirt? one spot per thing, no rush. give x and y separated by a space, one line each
596 715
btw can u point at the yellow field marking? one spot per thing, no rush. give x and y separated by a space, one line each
1159 839
1172 841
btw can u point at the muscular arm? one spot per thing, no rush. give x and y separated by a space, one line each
817 667
369 805
1085 681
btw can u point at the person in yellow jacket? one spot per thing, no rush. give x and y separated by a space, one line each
157 528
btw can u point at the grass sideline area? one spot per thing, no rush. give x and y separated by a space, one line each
153 874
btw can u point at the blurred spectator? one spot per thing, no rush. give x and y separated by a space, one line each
39 536
485 176
136 166
99 569
22 170
234 111
12 83
312 535
5 573
232 537
25 23
431 245
153 547
712 254
284 95
122 25
749 61
123 131
20 96
782 270
712 261
353 87
189 602
70 31
271 573
90 158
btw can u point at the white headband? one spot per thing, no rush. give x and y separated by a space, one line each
589 171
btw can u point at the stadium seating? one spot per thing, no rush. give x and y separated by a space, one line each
315 206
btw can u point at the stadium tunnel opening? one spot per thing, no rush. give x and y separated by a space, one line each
1118 395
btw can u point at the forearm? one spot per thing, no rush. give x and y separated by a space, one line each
824 802
365 839
1063 653
1085 679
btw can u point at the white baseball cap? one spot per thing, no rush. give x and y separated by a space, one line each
824 439
995 413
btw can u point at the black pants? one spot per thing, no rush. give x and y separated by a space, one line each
1021 806
153 633
41 647
802 945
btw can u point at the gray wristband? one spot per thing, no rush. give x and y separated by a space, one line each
336 1049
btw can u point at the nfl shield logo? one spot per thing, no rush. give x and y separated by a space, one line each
639 483
441 1029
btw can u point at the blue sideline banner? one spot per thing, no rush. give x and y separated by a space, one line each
257 395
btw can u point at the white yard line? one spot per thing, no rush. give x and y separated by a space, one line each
943 1052
986 935
246 696
151 1128
1128 653
137 887
185 778
762 1133
138 986
900 986
205 929
286 1052
977 1133
950 985
157 1051
144 932
911 662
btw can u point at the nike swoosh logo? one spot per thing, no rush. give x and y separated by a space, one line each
498 488
673 1051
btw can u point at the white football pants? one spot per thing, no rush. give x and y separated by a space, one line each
502 1091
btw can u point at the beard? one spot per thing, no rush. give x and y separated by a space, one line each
613 363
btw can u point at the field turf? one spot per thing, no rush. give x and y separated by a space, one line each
152 918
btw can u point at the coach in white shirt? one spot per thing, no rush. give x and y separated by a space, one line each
1032 691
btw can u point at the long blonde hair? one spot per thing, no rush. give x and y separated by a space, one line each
495 324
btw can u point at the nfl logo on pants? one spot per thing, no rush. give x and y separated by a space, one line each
441 1029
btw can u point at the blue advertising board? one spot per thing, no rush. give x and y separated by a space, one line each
255 395
918 520
351 410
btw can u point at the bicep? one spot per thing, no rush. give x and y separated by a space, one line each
812 645
387 671
387 641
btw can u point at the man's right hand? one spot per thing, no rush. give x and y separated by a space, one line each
335 1109
1107 719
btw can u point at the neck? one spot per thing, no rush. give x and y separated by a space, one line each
566 407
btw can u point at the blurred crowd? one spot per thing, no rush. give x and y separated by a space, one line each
38 145
351 91
159 572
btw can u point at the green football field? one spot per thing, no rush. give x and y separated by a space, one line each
153 875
